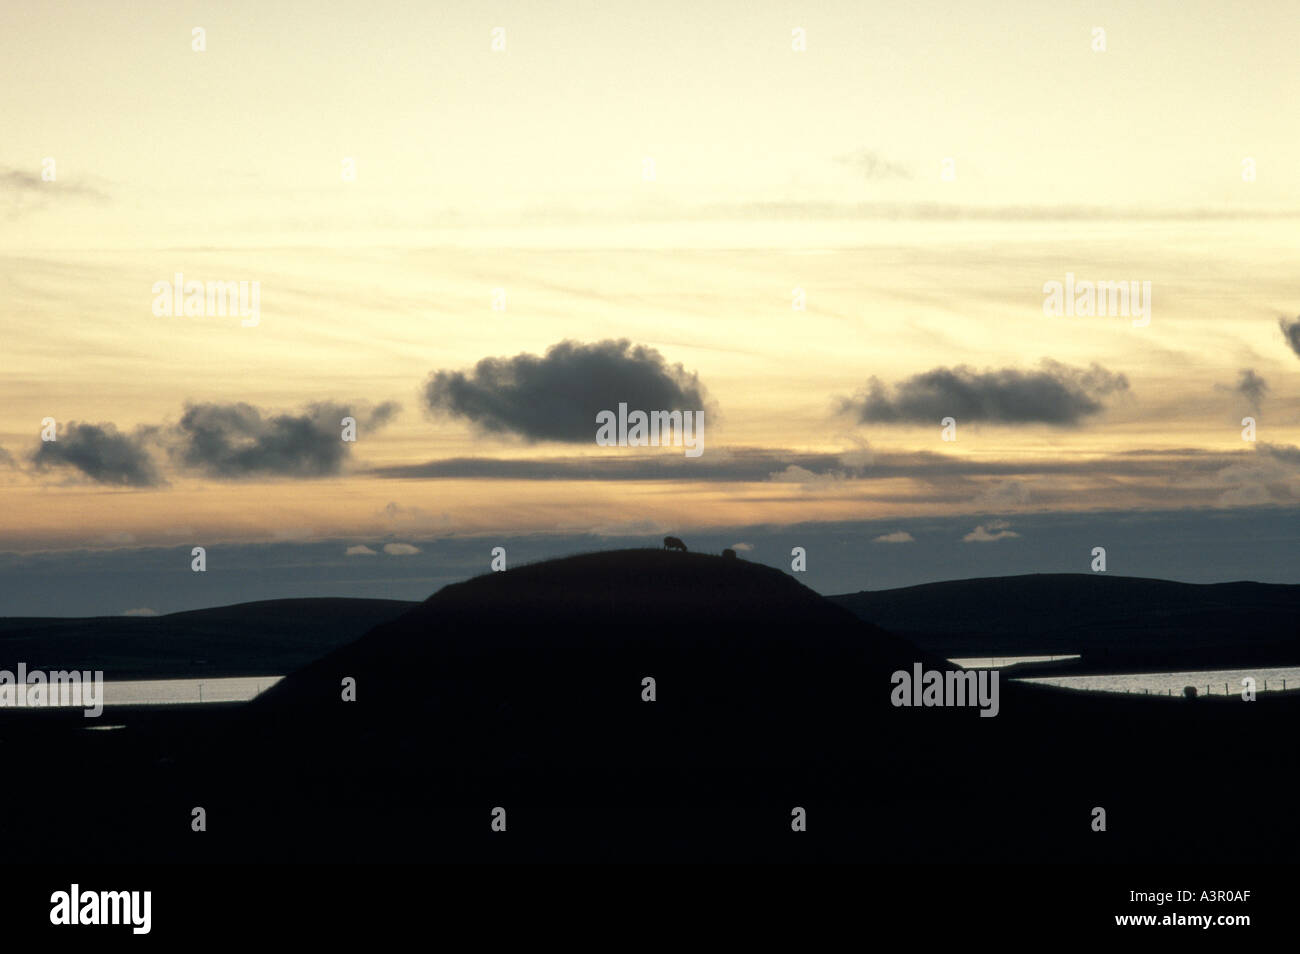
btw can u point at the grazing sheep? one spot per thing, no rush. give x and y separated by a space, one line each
728 554
672 543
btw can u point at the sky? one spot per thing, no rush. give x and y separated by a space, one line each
471 226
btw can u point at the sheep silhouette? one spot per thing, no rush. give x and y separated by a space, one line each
672 543
729 554
1189 692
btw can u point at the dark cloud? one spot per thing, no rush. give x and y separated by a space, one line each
1291 331
7 459
1284 453
555 397
233 441
1055 394
102 453
1251 386
377 417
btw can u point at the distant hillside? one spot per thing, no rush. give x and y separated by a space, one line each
524 692
270 637
1116 618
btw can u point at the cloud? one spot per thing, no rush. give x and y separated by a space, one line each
758 464
1056 394
20 180
859 459
873 167
1246 495
379 415
1004 493
820 471
27 191
7 459
1147 477
360 549
794 474
1268 475
102 453
556 397
400 549
233 441
1284 453
1251 386
141 611
1291 331
406 520
745 464
742 547
898 536
984 533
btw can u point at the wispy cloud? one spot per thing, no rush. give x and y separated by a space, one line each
25 191
990 532
873 167
898 536
400 549
750 465
1251 387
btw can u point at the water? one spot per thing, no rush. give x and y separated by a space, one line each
149 692
243 688
997 662
1172 683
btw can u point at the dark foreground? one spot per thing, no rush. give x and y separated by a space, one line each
523 691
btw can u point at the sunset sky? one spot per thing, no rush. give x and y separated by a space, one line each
1171 157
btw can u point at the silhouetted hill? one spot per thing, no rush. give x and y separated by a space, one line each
1114 619
523 691
269 637
532 653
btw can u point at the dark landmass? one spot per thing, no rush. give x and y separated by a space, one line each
524 690
1115 623
270 637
